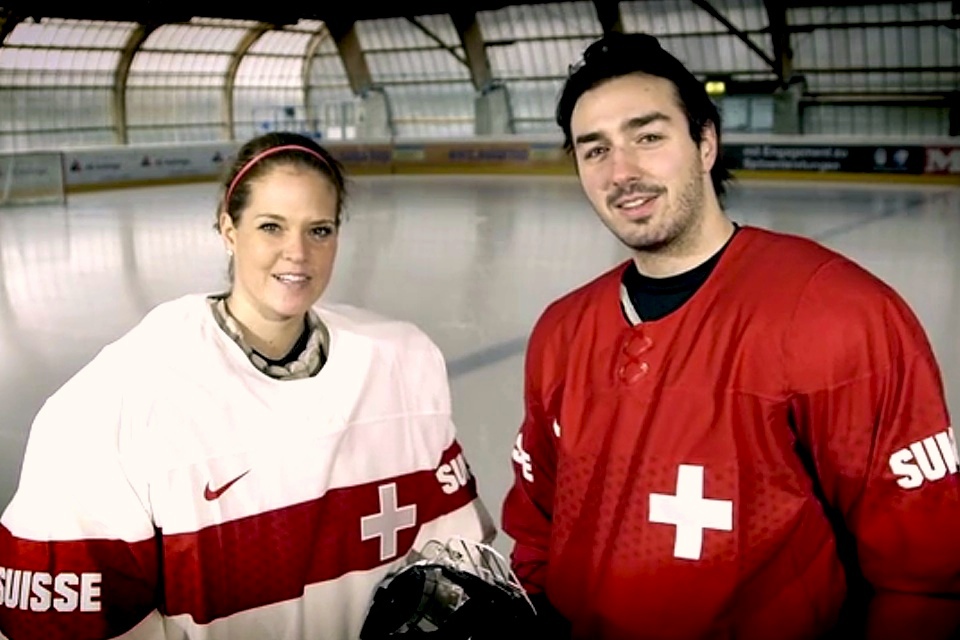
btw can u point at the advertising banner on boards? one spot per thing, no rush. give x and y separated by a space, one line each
120 165
871 159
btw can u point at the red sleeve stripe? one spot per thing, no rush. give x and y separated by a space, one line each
59 590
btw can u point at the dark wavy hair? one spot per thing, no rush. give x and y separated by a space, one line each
620 54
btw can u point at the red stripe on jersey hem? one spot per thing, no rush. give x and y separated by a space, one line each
271 557
217 571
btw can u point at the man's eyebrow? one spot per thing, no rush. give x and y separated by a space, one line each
637 122
589 137
641 121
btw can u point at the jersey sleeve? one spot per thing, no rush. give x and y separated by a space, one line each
460 509
528 507
868 406
77 552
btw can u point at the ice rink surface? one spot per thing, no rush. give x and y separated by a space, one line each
472 260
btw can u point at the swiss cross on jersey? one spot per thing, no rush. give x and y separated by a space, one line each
394 523
690 512
388 521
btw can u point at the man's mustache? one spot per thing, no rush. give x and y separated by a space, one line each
632 188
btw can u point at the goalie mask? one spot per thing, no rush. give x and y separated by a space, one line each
460 590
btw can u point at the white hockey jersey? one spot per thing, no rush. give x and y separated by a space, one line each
170 490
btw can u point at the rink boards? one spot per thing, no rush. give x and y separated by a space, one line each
934 161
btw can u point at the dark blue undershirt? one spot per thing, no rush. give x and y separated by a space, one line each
654 298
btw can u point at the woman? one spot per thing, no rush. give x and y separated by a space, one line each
245 465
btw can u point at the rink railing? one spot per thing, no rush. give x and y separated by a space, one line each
771 157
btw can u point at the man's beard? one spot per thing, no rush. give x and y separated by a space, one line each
670 230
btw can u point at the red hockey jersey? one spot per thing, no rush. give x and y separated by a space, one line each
682 478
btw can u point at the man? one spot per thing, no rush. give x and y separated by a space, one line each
735 434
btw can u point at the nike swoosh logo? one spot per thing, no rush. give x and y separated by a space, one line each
212 494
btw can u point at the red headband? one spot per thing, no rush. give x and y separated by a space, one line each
263 154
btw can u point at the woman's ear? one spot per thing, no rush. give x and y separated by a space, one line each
228 232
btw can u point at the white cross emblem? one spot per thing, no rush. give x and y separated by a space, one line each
690 512
388 522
